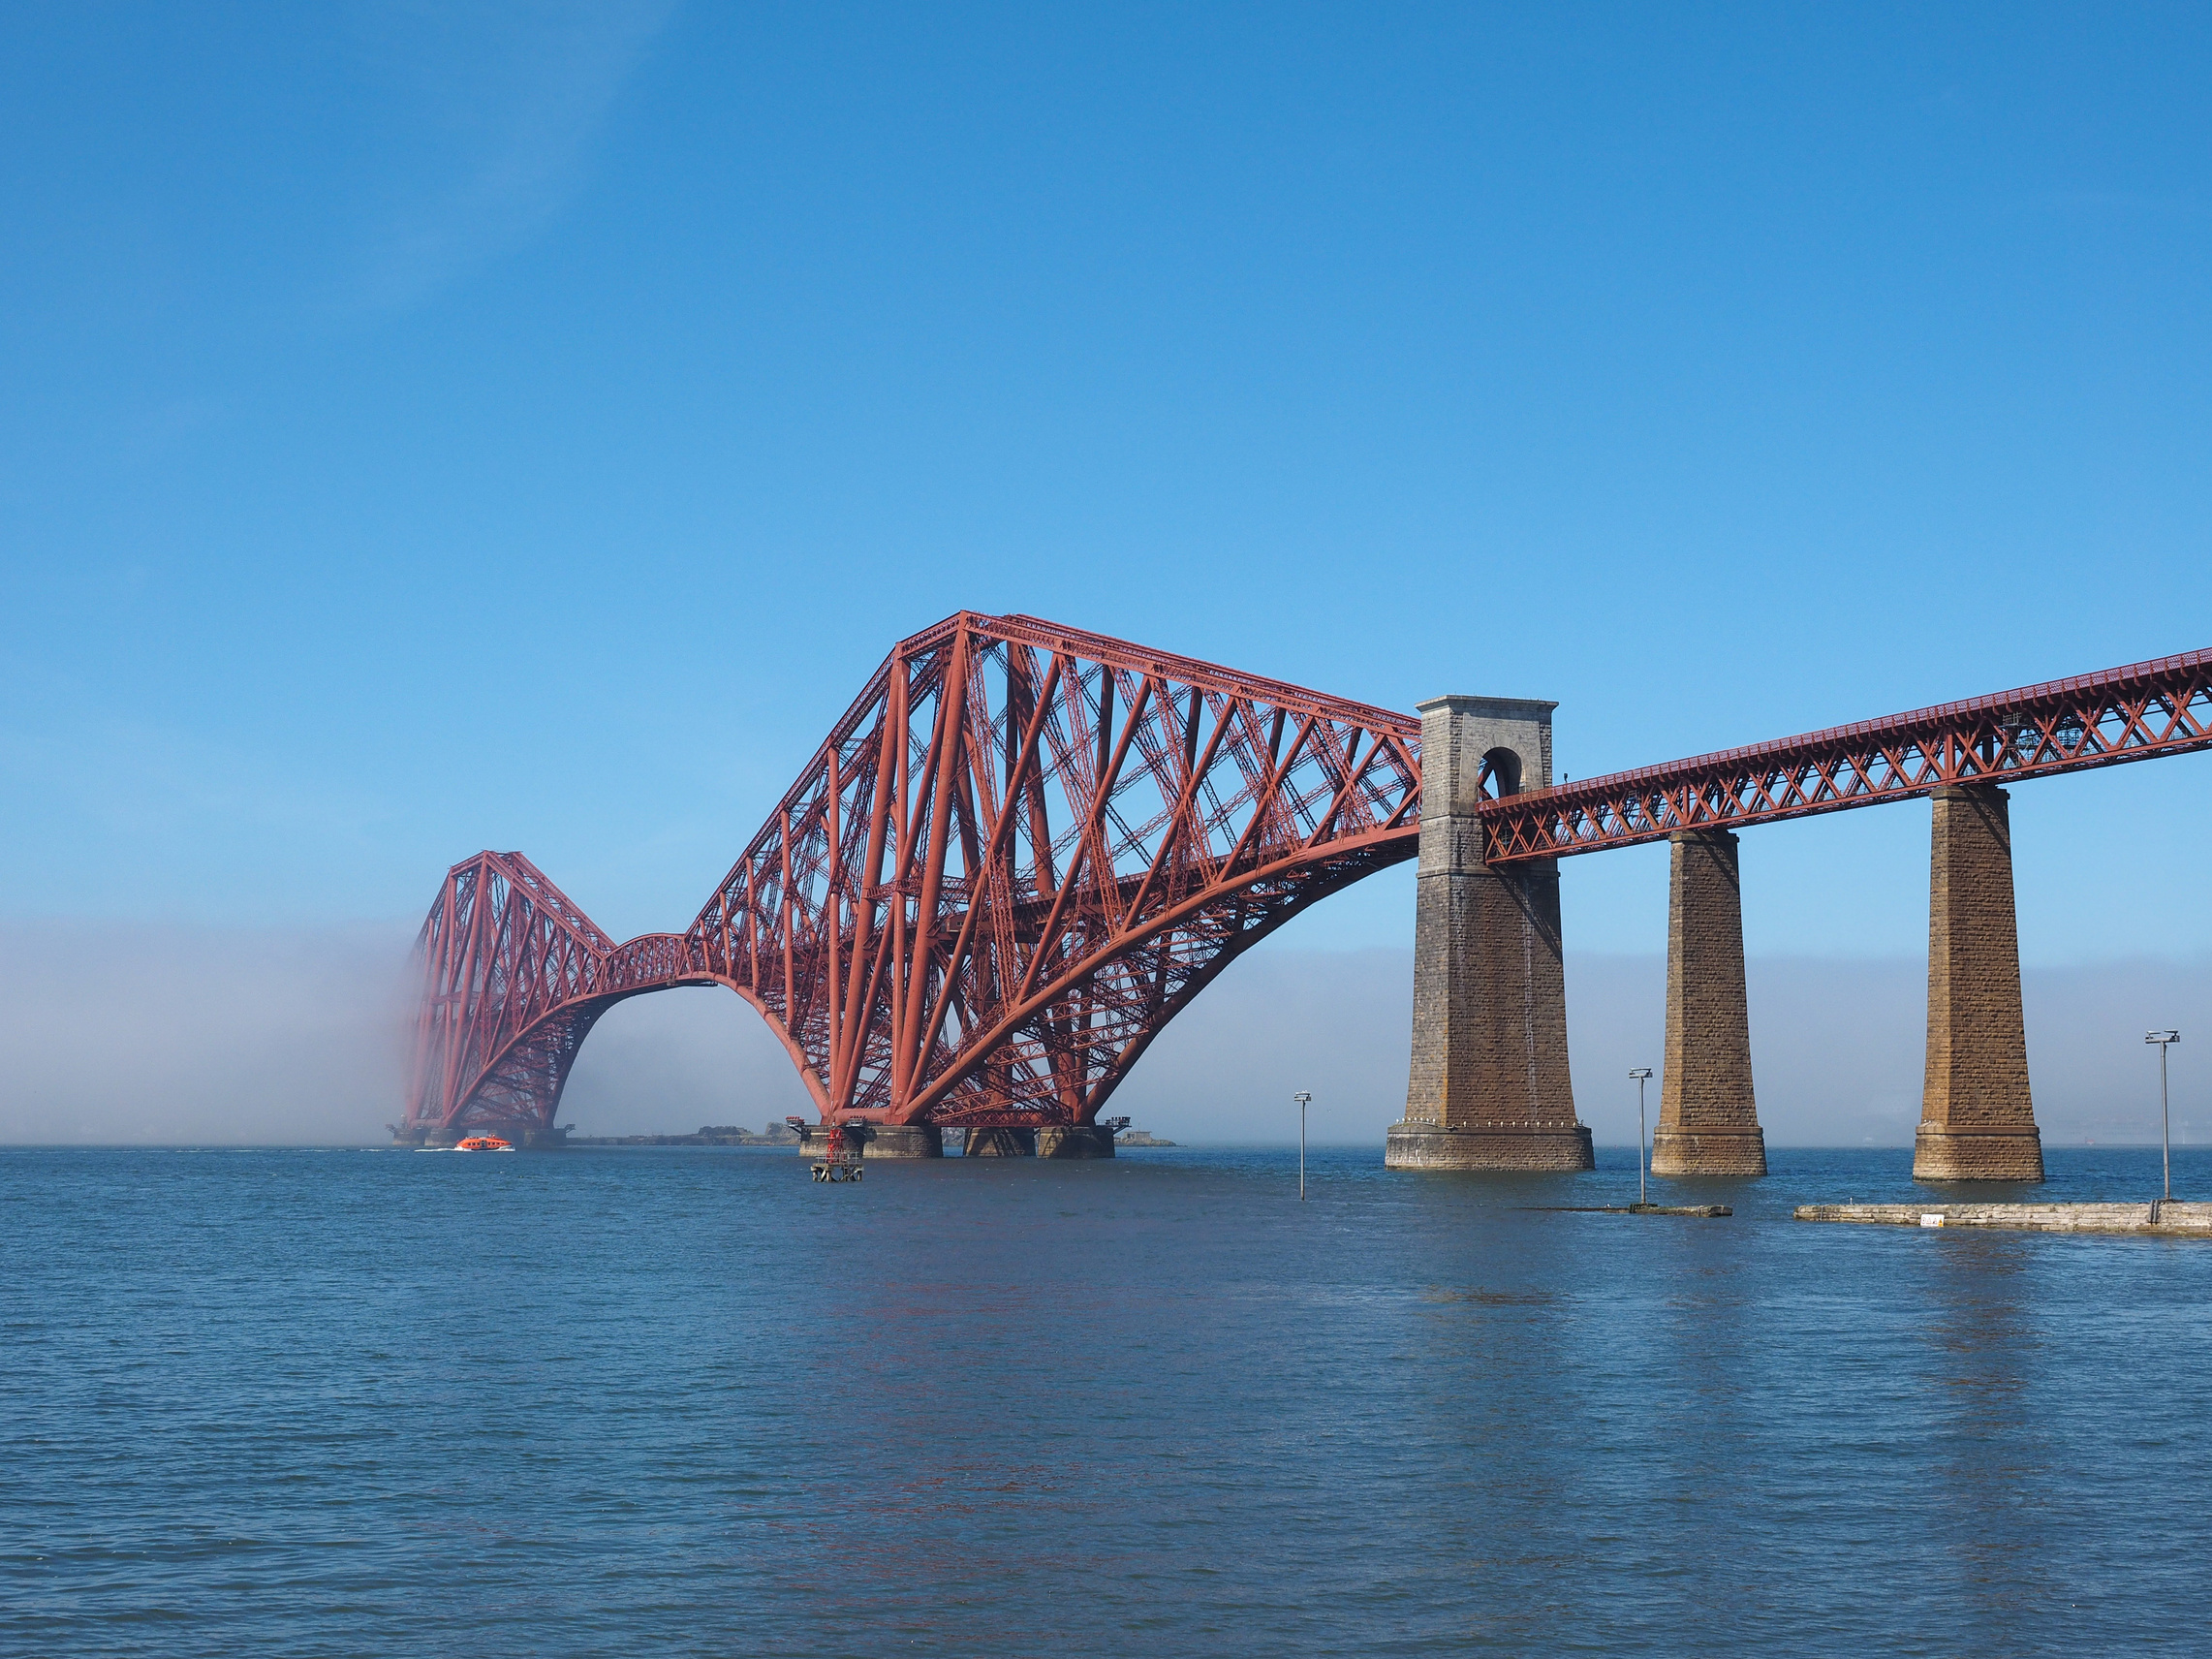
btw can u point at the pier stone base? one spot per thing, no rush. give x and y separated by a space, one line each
1489 1086
1709 1152
1046 1140
1428 1146
1708 1121
1977 1122
1981 1155
877 1140
1073 1140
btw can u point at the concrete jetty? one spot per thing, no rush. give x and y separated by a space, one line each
2170 1218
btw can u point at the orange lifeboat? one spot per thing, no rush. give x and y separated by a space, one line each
484 1144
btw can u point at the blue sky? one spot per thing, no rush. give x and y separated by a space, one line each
432 427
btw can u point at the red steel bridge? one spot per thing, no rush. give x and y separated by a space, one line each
1024 848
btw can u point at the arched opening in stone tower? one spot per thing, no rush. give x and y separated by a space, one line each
1501 773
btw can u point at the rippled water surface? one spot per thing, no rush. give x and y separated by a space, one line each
688 1402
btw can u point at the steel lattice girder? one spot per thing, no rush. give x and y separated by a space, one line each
513 975
2134 713
1021 851
1025 848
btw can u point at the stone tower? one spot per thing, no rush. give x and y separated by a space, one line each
1488 1088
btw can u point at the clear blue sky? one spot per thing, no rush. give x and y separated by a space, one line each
431 427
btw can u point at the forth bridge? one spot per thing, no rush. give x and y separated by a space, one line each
1025 848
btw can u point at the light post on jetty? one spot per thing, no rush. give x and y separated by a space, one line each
1302 1097
1643 1076
2164 1040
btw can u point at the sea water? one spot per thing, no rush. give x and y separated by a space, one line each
689 1402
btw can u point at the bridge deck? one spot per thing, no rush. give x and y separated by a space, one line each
2139 712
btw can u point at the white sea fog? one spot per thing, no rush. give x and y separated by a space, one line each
111 1033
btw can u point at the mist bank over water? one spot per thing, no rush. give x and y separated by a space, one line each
162 1034
111 1033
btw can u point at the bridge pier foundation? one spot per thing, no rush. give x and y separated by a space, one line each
1708 1120
1488 1088
1046 1140
877 1140
1073 1140
1977 1119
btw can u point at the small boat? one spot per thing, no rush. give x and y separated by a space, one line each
484 1144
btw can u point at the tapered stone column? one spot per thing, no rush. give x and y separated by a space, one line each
1489 1086
1708 1123
1978 1123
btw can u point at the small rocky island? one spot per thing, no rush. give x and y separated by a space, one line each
1140 1137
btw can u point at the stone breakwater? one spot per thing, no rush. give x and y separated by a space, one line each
2166 1217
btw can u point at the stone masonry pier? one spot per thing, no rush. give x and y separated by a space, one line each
1046 1140
1978 1123
1489 1086
1708 1122
877 1140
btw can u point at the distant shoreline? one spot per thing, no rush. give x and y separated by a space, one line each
647 1142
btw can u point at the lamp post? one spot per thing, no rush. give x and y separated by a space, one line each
1643 1076
1302 1097
2164 1040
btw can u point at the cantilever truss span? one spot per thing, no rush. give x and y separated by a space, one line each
1018 855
